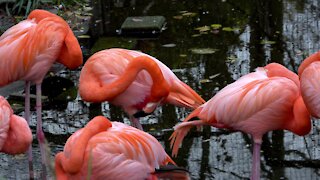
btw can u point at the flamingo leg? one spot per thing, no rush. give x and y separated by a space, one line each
136 123
40 134
27 117
256 161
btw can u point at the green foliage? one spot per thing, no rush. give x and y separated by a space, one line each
24 7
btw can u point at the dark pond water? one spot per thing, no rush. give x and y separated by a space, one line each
208 44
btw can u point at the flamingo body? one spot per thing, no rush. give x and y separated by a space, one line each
15 134
27 52
133 80
265 100
309 72
111 150
29 48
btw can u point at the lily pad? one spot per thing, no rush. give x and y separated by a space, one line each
196 35
232 59
203 28
203 50
190 14
267 42
205 81
170 45
216 26
178 17
214 76
230 29
83 36
183 12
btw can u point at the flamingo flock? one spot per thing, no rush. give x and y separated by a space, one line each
271 98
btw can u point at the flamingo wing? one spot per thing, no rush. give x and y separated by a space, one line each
112 65
180 93
254 104
120 152
125 151
310 88
255 107
28 49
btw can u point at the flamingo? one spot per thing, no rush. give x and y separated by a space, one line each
27 52
265 100
135 81
310 87
15 134
110 150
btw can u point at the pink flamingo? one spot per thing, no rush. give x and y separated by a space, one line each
135 81
265 100
15 134
310 87
27 52
110 150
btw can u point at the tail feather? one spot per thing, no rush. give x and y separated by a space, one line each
182 129
182 95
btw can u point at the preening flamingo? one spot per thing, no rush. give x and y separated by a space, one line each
135 81
15 134
27 52
265 100
309 73
110 150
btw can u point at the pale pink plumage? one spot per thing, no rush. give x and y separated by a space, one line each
15 134
265 100
117 152
29 49
27 52
309 72
148 84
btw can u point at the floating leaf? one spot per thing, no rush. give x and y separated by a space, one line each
216 26
267 42
178 17
229 29
183 55
83 37
191 14
183 12
232 59
214 76
169 45
203 28
203 50
196 35
298 52
205 81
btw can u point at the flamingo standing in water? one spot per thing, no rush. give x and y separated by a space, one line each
265 100
15 134
309 73
135 81
27 52
110 150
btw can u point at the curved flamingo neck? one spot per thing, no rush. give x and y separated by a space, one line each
106 92
301 122
305 63
74 162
